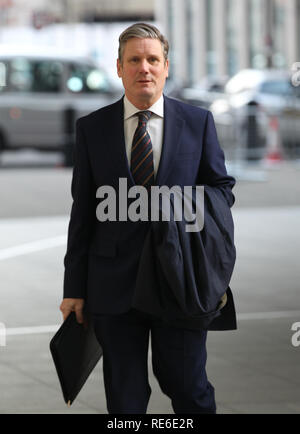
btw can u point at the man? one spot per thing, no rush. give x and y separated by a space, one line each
147 139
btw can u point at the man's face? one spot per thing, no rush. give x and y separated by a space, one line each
143 71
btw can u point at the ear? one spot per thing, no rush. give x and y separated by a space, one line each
167 67
119 68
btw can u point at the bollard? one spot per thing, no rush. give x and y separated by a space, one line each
253 140
69 134
274 153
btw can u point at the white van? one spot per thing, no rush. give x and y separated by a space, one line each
42 94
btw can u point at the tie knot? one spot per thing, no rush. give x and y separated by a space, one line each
144 116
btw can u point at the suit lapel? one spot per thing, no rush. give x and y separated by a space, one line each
115 131
173 126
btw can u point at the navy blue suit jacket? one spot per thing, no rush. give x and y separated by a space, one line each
102 258
183 277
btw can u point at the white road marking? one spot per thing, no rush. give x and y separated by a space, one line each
18 331
34 246
269 315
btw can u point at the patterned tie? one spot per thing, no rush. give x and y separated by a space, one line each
142 167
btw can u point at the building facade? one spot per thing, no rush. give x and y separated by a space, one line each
45 12
220 37
207 37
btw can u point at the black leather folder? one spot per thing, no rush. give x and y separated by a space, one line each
75 352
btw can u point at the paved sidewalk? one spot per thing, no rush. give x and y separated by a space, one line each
255 369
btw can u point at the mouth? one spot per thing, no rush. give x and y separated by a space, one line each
144 81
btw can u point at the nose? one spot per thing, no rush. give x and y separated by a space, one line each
144 66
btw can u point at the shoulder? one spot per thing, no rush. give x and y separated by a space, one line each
102 115
188 111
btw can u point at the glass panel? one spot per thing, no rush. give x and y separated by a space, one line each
277 87
257 58
232 37
86 79
47 76
211 56
35 75
189 41
279 58
298 27
3 74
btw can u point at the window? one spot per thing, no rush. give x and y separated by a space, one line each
211 59
277 87
279 56
298 26
3 75
189 42
35 75
257 58
170 26
232 37
86 79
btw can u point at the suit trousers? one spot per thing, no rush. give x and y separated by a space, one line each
178 361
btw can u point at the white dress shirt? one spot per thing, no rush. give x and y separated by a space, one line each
155 127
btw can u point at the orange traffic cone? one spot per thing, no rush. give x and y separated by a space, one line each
274 153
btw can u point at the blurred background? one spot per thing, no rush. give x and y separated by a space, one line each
240 59
237 58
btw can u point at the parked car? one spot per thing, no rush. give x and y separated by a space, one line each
204 92
261 94
42 94
173 88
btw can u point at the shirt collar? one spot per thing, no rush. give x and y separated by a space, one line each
130 110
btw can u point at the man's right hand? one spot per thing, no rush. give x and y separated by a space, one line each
69 305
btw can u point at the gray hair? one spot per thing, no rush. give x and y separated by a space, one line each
142 30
